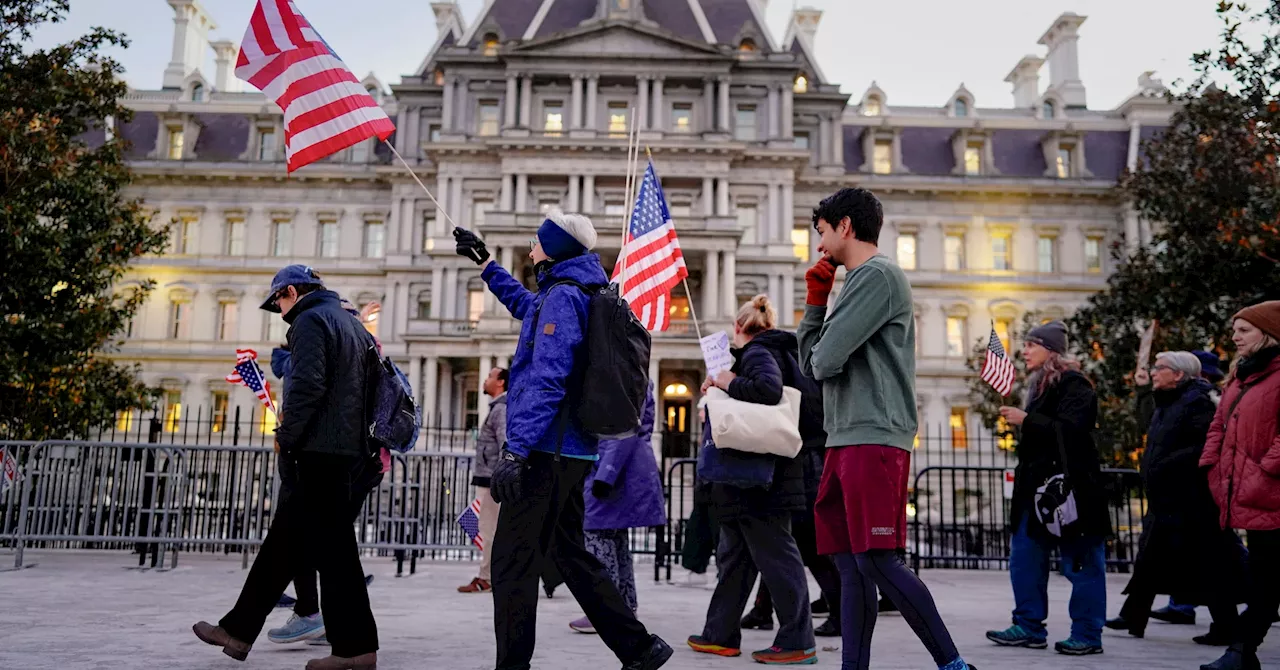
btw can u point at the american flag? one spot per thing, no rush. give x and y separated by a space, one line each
470 522
653 261
249 374
997 369
325 108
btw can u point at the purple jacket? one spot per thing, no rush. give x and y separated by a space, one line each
628 464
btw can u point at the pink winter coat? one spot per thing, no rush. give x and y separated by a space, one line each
1242 452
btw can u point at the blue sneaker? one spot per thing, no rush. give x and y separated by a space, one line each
298 629
1016 636
1074 647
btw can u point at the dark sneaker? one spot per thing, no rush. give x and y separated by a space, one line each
1215 639
367 661
1074 647
1016 636
704 646
1238 657
657 656
886 606
819 608
780 656
758 620
1120 623
1170 615
829 628
216 636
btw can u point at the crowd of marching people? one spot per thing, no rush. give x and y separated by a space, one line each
803 463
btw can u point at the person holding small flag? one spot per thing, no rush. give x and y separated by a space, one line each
488 447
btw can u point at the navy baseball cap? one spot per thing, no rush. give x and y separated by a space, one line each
289 275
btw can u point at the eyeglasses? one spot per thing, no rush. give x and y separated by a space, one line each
533 242
275 297
1161 367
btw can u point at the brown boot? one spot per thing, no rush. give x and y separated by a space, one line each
367 661
216 636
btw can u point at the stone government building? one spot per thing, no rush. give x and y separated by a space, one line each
993 211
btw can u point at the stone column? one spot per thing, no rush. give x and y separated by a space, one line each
415 378
455 209
526 101
414 132
788 112
482 405
824 139
788 220
509 103
395 226
505 199
659 119
788 302
409 227
775 289
437 293
522 193
729 286
401 122
724 105
446 106
837 140
490 300
427 391
722 196
709 103
450 286
574 204
444 401
593 86
588 194
708 196
575 110
442 198
711 286
772 215
508 258
775 113
642 102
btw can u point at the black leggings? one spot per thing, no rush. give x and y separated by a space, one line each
860 575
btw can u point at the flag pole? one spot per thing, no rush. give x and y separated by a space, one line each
697 329
424 186
633 153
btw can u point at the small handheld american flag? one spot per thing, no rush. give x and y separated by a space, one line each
325 108
470 522
248 374
997 369
653 261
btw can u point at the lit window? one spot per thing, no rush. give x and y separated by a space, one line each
438 79
491 45
228 313
953 248
433 132
959 428
221 401
955 336
267 424
871 107
184 236
682 117
1002 327
1005 439
882 157
197 93
1046 246
424 306
235 237
745 127
1064 162
1050 109
621 5
748 222
282 238
175 144
371 321
328 239
179 320
973 159
277 329
802 140
124 421
553 118
488 118
800 243
172 410
475 305
907 251
801 85
1001 252
962 107
679 309
375 239
1093 254
266 144
618 113
747 45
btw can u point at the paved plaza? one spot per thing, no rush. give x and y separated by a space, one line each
89 610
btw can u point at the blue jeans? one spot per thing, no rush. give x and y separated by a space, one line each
1084 564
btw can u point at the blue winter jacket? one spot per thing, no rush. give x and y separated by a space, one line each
630 467
550 358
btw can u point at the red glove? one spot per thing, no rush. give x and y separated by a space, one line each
819 279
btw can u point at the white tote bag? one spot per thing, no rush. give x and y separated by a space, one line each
755 428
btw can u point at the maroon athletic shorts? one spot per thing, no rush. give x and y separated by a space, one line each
862 500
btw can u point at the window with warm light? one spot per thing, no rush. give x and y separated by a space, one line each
882 157
1001 252
282 238
221 400
375 239
235 237
438 78
172 411
1063 164
553 118
618 113
490 44
747 45
744 127
267 422
679 309
488 118
371 321
176 144
953 252
959 422
228 320
1003 326
800 244
682 117
267 144
179 320
973 159
802 140
328 239
801 85
1046 253
748 222
955 336
621 5
475 306
1004 436
961 107
124 421
1093 254
871 107
907 251
184 236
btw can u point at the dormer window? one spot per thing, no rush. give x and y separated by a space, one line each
439 78
490 44
961 107
801 85
1050 109
747 45
620 5
871 107
197 93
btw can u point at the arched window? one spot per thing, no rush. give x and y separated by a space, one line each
490 44
197 93
871 107
801 85
747 45
1050 109
961 107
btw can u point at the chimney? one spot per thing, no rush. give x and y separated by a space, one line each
806 21
224 55
1064 58
1025 78
191 26
444 11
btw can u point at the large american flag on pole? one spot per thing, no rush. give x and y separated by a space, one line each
325 108
651 261
997 369
247 373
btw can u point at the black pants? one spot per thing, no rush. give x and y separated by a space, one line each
1136 612
304 575
313 526
822 567
551 514
1264 575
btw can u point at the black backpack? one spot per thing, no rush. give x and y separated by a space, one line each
391 410
612 397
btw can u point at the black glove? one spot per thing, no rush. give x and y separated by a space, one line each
470 246
507 481
601 489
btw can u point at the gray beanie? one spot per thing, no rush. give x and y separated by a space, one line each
1051 336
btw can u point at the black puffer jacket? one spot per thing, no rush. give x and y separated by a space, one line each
324 405
762 370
